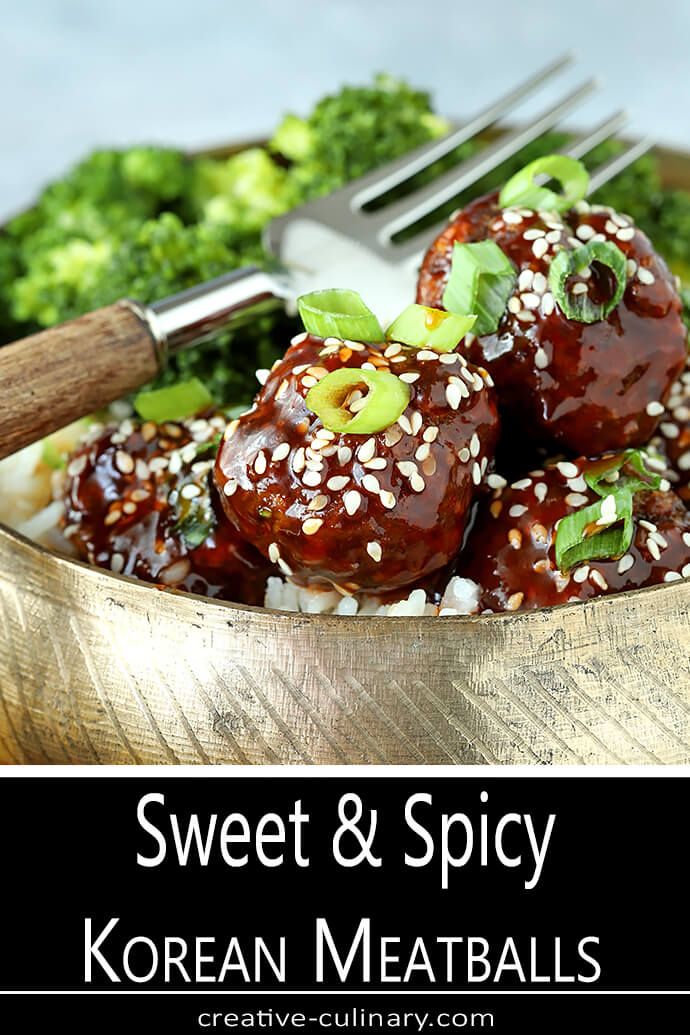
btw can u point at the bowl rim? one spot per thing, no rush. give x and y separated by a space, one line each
673 161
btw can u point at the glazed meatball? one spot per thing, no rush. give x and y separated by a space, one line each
672 442
139 501
510 552
361 512
582 388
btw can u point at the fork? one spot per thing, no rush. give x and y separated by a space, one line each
56 376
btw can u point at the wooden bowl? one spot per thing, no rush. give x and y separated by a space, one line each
97 668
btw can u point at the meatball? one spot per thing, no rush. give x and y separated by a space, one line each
361 512
582 388
510 552
139 500
672 443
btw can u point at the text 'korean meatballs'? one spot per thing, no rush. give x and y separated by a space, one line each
374 491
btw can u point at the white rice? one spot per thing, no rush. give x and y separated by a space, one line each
30 504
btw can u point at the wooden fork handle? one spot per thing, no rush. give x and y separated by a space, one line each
58 375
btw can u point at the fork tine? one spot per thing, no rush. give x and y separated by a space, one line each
417 245
618 163
403 213
379 181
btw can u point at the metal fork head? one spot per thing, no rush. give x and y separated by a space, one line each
364 235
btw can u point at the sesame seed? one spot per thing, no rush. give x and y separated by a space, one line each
338 482
645 276
525 280
580 289
368 366
112 517
352 501
284 567
410 378
404 423
388 499
685 571
416 421
374 550
608 510
175 573
377 463
260 462
448 358
548 303
553 236
575 499
686 539
230 487
262 376
273 553
648 525
392 435
567 469
429 466
319 502
190 492
626 234
298 460
299 338
463 455
672 576
476 473
371 483
344 455
393 349
124 462
655 409
514 601
598 579
77 466
280 452
422 452
309 382
659 540
654 550
524 483
417 483
625 563
453 395
117 563
475 445
139 495
367 450
430 434
511 217
517 510
515 538
540 491
669 430
541 360
311 526
524 316
533 234
312 478
514 304
495 481
407 468
585 231
683 462
426 354
530 300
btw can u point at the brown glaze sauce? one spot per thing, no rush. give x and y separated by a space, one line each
582 388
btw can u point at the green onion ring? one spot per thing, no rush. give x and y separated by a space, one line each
598 479
423 327
567 263
174 402
388 397
521 189
339 313
481 281
577 538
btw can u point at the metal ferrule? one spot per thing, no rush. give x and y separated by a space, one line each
200 313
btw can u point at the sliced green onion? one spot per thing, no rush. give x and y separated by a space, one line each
522 190
387 398
175 402
567 263
339 313
580 538
481 281
51 455
606 477
427 328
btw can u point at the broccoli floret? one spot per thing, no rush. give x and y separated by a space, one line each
57 282
353 131
244 191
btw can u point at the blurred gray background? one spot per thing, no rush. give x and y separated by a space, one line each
78 74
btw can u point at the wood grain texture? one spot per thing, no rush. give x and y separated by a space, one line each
57 376
99 669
